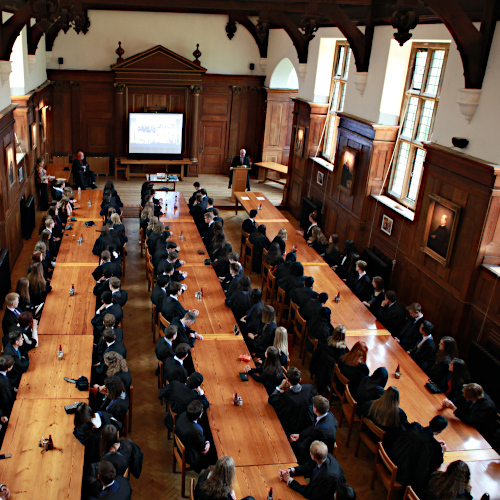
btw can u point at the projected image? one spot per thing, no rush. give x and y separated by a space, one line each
155 133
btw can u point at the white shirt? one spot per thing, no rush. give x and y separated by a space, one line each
421 343
111 483
179 360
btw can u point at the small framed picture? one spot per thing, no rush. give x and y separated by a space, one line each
33 136
320 177
20 175
300 136
386 226
9 151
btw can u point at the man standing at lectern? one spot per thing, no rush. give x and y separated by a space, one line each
82 172
240 161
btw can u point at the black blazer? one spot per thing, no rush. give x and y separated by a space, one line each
183 333
425 353
173 370
301 296
249 226
265 339
115 310
393 317
7 396
179 396
281 243
116 270
170 308
410 335
323 485
193 439
363 288
120 297
163 350
21 365
239 302
9 319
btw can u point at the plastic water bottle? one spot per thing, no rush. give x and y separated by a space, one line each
79 192
89 203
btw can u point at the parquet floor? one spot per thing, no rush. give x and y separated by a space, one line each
157 479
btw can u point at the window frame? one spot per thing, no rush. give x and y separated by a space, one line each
413 142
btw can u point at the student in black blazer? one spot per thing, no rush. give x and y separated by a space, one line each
191 434
173 368
114 487
7 393
313 217
12 312
169 306
119 296
323 470
197 186
113 269
424 352
271 373
259 240
239 300
107 307
323 429
392 313
363 287
164 347
208 238
116 402
410 334
230 282
185 334
21 362
302 295
249 225
108 343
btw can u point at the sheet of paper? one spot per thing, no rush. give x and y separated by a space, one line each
260 198
246 198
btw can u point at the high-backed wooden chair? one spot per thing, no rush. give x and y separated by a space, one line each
191 490
148 259
305 353
411 495
365 427
162 322
141 240
124 257
150 275
387 471
160 376
349 410
126 473
244 236
266 269
179 458
292 312
281 308
299 332
270 290
153 321
248 257
334 451
337 375
264 253
174 419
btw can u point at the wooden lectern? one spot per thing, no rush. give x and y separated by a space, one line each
239 180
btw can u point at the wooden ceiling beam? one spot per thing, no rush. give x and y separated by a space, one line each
300 42
250 26
10 29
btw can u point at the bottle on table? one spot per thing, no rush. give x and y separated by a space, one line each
79 192
398 372
89 203
50 444
60 353
270 495
72 290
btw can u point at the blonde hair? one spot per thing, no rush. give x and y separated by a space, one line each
153 220
42 248
338 338
281 340
10 298
115 363
319 450
115 219
220 482
282 233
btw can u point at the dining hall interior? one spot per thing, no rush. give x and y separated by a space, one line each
379 117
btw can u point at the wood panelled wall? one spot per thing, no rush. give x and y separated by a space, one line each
463 299
86 115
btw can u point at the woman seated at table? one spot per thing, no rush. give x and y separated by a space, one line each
280 239
375 302
451 484
281 343
259 341
370 389
115 401
38 286
342 269
239 300
62 209
155 236
109 188
119 228
320 243
58 228
386 414
273 256
324 360
146 214
216 483
218 245
51 249
353 366
221 263
439 371
271 373
253 318
117 365
23 289
458 376
332 252
284 269
39 255
319 328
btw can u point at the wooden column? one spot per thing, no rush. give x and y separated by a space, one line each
120 118
195 118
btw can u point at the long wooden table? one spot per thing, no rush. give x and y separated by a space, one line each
170 213
30 474
85 212
275 167
249 201
71 251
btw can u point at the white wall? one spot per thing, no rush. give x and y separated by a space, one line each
4 96
140 31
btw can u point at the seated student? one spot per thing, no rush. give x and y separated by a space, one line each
459 377
107 307
146 214
378 295
162 251
439 371
161 286
259 240
313 306
319 328
273 257
294 406
7 392
29 328
106 263
57 190
410 334
281 238
156 237
119 296
239 300
281 343
23 290
363 287
197 186
453 483
109 321
251 321
424 353
216 483
475 408
353 366
40 256
179 395
173 368
260 340
295 279
169 306
39 287
184 332
284 269
271 373
114 487
197 212
164 346
116 365
21 362
324 429
12 312
223 261
324 360
217 218
418 454
386 414
313 217
323 470
101 286
319 241
103 242
230 282
192 437
371 388
302 295
342 269
109 201
116 402
392 313
249 225
173 258
208 218
219 243
332 251
107 344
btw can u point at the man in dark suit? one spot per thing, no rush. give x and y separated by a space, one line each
179 396
191 434
108 343
82 175
113 487
392 313
169 306
240 161
119 296
12 312
197 211
160 289
164 347
293 406
323 470
105 263
107 308
301 296
363 287
21 363
425 351
7 393
204 198
249 225
410 334
208 217
185 334
173 368
324 429
197 186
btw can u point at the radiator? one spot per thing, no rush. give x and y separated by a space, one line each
378 264
309 206
28 217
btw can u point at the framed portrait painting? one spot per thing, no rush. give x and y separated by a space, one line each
300 136
348 164
441 228
387 224
9 153
33 136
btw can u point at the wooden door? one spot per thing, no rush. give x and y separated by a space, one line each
212 147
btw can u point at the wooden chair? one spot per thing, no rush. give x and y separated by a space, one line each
281 307
179 458
270 291
150 275
124 257
349 410
153 321
191 489
174 419
162 322
160 376
334 451
266 269
126 473
148 259
130 408
410 494
305 352
365 426
244 237
386 471
292 312
299 331
248 257
141 240
124 431
337 375
264 253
